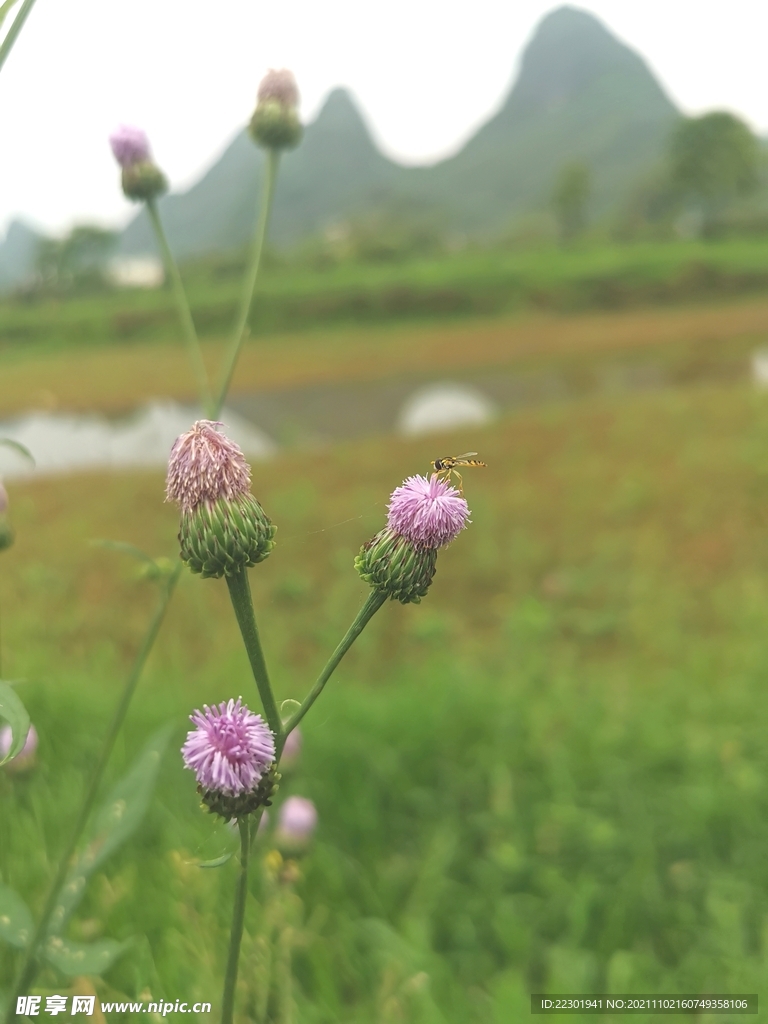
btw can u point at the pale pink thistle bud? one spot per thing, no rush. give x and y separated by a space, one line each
232 753
223 527
26 757
129 145
142 179
279 85
297 821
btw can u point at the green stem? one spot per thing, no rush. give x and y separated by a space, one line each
185 314
252 272
240 595
375 600
11 35
29 965
238 917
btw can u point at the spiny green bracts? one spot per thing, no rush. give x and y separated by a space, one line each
220 538
143 180
393 565
228 806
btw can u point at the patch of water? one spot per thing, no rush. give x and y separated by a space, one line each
62 443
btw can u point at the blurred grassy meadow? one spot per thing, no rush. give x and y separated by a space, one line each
550 776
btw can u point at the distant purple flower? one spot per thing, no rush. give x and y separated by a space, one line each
26 756
129 145
292 747
279 86
231 748
297 820
204 466
427 512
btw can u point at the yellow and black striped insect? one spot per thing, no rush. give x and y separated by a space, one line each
446 467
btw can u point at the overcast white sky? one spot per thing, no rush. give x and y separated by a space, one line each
426 73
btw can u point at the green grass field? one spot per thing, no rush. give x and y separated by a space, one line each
469 283
550 776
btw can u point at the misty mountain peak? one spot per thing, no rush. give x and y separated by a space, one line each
571 52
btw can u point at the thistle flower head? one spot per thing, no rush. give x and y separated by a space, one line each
297 821
25 759
427 511
205 466
129 145
279 85
275 123
230 750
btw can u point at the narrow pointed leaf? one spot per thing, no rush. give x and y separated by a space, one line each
15 714
76 958
15 919
20 448
118 817
217 863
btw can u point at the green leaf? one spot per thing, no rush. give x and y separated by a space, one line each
77 958
118 817
6 9
15 919
217 863
22 449
15 714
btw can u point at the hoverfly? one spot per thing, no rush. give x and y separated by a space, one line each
446 467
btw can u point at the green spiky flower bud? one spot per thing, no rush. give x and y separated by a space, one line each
223 527
220 538
143 181
395 566
275 123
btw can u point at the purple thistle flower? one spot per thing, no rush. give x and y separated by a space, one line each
129 145
297 820
279 86
427 512
26 756
204 466
230 750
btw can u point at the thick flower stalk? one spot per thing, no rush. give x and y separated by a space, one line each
232 753
275 123
424 514
142 179
223 528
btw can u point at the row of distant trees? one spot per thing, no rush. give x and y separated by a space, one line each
711 161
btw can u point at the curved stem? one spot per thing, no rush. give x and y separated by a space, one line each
30 965
252 272
240 595
182 305
238 918
375 600
12 34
